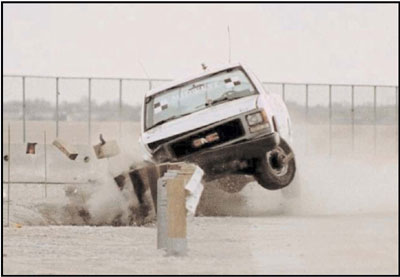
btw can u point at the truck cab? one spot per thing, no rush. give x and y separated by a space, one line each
223 120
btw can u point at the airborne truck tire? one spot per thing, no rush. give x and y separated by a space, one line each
277 167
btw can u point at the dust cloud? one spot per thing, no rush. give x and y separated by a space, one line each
325 185
335 185
99 203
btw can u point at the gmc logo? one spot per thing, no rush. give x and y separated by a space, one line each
208 139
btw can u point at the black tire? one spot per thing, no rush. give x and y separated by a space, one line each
273 171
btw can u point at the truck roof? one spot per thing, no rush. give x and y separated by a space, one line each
192 77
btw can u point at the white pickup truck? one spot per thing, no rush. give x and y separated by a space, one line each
224 121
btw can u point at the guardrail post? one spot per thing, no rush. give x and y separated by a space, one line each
57 114
178 194
176 216
162 227
23 111
89 110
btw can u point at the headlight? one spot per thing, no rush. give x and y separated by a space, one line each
254 119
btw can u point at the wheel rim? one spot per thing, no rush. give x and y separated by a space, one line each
277 162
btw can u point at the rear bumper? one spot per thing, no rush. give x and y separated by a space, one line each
230 158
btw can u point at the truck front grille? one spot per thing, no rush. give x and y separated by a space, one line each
225 132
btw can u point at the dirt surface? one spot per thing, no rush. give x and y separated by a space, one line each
345 221
363 244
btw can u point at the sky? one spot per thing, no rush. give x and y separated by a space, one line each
318 43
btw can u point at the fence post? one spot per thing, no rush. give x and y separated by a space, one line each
57 114
374 119
89 110
9 171
150 84
330 120
283 91
120 108
45 165
23 111
352 118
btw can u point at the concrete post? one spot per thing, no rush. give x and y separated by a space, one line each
162 235
176 217
179 182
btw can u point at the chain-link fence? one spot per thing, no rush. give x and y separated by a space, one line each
54 103
78 108
328 119
346 118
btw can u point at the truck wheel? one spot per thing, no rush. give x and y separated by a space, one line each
277 167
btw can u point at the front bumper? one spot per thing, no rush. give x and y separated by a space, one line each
231 158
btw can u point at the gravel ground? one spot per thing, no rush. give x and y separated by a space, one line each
358 244
345 222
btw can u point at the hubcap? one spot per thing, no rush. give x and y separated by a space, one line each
277 162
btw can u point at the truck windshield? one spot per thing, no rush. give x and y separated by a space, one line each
197 95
